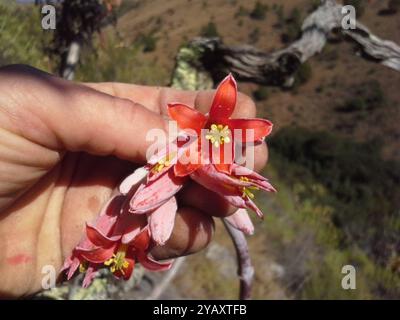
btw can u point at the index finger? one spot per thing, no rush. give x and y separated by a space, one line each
157 98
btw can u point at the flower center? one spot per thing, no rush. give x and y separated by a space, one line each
247 191
118 262
218 134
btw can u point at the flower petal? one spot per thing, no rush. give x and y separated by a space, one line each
105 221
155 193
250 204
151 264
225 185
71 264
212 179
223 167
162 220
182 170
255 179
190 160
187 117
241 221
224 100
142 241
132 180
223 157
91 273
170 153
131 235
96 255
250 130
129 226
98 238
127 271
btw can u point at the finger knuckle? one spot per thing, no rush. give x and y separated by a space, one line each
246 106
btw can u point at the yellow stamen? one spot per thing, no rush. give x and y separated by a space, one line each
83 267
218 134
163 163
118 262
246 191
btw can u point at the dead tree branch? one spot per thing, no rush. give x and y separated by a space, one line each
277 68
245 268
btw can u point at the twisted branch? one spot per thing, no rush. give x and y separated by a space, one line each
278 68
245 268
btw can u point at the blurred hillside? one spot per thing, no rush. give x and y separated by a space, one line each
334 153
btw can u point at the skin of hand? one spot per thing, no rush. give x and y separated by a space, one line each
64 147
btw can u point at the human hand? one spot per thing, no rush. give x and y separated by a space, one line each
64 147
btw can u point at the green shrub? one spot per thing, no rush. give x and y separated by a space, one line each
259 11
280 13
121 63
303 74
241 12
22 40
363 187
209 30
365 97
293 26
313 232
355 104
148 42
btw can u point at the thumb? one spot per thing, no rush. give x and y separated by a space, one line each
63 115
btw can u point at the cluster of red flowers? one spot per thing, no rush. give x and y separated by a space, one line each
142 213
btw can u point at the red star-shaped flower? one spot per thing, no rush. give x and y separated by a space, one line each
221 132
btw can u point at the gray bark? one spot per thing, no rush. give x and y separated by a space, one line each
245 267
277 68
71 60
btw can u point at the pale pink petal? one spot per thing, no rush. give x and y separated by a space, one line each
241 221
211 179
173 153
89 276
129 226
256 178
235 200
153 194
219 178
226 186
133 180
162 220
170 148
71 264
250 204
216 181
131 235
